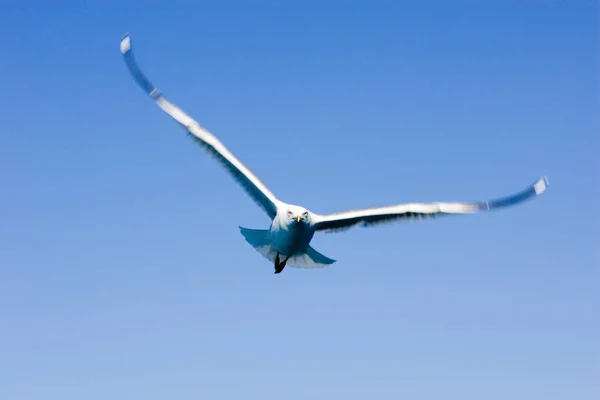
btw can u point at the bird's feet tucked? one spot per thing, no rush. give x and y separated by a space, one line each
279 266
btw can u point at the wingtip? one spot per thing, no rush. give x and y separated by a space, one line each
541 185
125 44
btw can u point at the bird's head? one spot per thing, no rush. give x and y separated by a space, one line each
297 214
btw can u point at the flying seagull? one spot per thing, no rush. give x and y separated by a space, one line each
287 241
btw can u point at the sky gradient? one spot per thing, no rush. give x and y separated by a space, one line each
122 270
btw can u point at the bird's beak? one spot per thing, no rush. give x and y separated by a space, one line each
297 218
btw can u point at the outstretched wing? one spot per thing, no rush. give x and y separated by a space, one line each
412 211
251 184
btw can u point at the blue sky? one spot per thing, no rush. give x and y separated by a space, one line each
122 270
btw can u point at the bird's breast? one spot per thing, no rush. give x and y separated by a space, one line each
291 239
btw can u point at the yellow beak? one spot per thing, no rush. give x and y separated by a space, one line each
297 218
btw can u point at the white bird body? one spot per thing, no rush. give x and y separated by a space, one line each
291 236
293 227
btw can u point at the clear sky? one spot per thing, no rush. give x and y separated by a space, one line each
123 274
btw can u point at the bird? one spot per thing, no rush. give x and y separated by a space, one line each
287 241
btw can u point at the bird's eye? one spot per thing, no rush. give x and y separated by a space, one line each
289 213
305 213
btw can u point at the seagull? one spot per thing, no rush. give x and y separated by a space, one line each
287 241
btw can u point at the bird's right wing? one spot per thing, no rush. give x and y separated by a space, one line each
250 182
413 211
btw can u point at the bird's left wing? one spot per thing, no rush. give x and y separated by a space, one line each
417 211
250 182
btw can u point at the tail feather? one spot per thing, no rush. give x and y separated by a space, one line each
256 237
310 259
260 239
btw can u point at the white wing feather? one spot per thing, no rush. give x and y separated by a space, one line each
250 182
411 211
